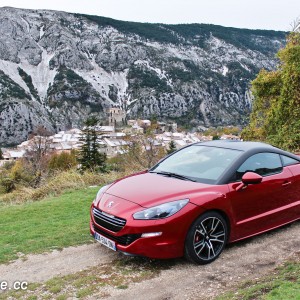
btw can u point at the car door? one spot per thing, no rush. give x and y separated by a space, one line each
263 206
294 191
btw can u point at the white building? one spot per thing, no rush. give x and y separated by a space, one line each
114 146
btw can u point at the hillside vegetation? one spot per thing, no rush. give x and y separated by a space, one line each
195 34
276 110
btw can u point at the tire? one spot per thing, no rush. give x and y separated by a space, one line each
206 238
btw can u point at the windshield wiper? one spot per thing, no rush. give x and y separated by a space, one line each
175 175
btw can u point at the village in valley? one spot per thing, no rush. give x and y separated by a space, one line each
114 137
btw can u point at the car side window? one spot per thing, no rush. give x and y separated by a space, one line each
288 161
263 164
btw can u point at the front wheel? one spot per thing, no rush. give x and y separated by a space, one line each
206 238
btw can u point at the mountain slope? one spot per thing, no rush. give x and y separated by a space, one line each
57 68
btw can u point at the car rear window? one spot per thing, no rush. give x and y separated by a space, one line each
288 161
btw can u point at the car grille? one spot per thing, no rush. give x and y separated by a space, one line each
124 240
109 222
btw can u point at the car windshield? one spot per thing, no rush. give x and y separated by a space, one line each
198 163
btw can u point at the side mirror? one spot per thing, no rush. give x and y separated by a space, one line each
249 178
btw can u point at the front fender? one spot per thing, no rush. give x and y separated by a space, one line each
216 201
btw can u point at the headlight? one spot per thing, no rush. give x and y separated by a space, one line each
100 193
161 211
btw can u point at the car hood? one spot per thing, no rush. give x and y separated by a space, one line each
148 189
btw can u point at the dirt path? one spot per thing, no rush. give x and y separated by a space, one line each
41 267
239 262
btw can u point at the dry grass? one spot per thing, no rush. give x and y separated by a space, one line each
67 180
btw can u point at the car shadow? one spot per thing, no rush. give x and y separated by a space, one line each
261 236
166 264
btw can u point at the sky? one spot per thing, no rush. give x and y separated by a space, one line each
253 14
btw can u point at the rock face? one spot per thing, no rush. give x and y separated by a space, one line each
57 68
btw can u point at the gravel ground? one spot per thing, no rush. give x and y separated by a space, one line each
239 262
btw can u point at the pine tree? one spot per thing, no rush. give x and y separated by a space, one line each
172 147
89 157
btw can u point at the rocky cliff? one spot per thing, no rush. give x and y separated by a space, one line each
57 68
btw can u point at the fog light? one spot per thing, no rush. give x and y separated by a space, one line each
151 234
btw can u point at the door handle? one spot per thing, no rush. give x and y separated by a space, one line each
286 183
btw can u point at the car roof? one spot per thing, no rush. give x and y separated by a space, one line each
248 149
238 145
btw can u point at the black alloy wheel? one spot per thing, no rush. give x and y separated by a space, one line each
206 238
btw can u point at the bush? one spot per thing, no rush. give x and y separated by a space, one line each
63 161
7 184
21 173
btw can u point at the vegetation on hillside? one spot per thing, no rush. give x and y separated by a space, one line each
72 87
139 77
28 80
195 34
10 89
276 110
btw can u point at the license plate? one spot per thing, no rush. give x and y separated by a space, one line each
105 241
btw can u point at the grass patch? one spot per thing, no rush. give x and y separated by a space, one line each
95 281
283 284
54 223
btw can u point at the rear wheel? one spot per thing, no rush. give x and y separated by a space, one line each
206 238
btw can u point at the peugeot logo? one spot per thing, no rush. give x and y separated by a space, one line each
110 204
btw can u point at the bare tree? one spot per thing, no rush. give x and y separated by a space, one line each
295 25
38 152
142 151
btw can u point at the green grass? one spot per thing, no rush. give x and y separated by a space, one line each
53 223
283 284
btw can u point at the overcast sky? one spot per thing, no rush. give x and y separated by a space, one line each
257 14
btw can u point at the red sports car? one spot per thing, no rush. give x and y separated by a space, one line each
198 199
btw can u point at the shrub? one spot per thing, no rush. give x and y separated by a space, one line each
63 161
21 172
7 184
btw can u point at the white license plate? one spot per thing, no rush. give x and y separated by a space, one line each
105 241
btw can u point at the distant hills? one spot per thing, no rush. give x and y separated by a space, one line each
57 68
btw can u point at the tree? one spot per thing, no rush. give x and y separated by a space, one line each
36 157
172 147
276 109
141 152
90 157
1 154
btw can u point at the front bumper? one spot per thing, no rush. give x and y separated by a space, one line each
169 244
